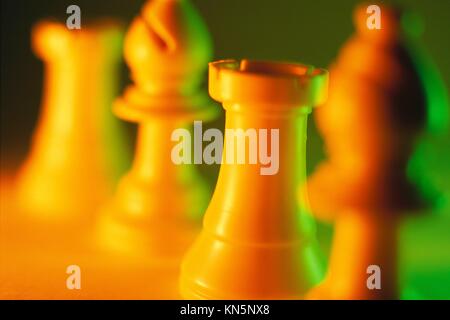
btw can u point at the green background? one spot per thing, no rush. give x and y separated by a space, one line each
310 31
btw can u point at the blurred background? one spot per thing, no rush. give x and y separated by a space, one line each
309 31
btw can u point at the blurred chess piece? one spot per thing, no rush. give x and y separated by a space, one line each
374 115
256 242
153 212
77 150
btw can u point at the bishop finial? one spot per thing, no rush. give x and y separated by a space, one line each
168 47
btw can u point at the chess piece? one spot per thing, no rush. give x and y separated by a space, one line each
255 242
77 149
152 214
370 123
